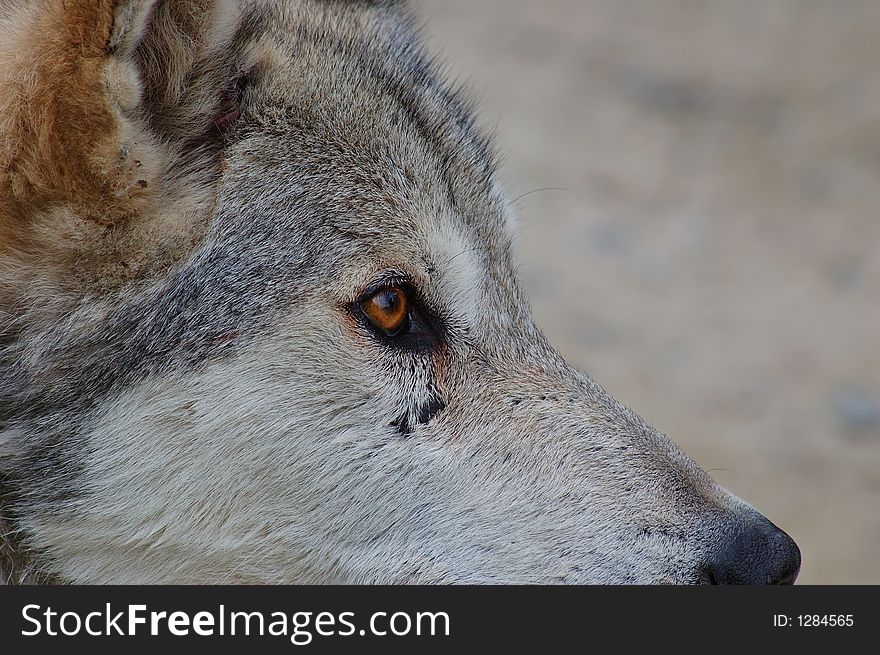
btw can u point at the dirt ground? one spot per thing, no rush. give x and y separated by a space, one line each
708 243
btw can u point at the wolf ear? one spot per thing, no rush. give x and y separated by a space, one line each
65 131
92 100
130 21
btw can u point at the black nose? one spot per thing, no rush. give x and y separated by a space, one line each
755 552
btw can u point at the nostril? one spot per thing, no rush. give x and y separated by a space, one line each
709 576
717 573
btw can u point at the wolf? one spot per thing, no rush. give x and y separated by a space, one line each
260 323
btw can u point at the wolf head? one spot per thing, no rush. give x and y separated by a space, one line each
260 322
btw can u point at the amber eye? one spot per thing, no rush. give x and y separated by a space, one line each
388 310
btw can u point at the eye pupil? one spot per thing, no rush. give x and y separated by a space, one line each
387 300
388 310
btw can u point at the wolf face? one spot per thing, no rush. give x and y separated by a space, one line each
261 323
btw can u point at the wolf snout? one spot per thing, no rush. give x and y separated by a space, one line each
754 552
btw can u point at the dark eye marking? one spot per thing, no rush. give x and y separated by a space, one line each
401 424
430 409
399 319
423 415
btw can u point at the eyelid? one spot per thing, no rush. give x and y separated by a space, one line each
388 279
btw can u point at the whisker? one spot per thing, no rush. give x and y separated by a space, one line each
722 469
590 192
543 189
463 252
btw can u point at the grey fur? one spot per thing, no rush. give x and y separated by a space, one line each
350 152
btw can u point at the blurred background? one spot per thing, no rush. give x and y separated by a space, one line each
698 190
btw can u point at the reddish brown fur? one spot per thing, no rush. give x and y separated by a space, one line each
90 193
62 141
